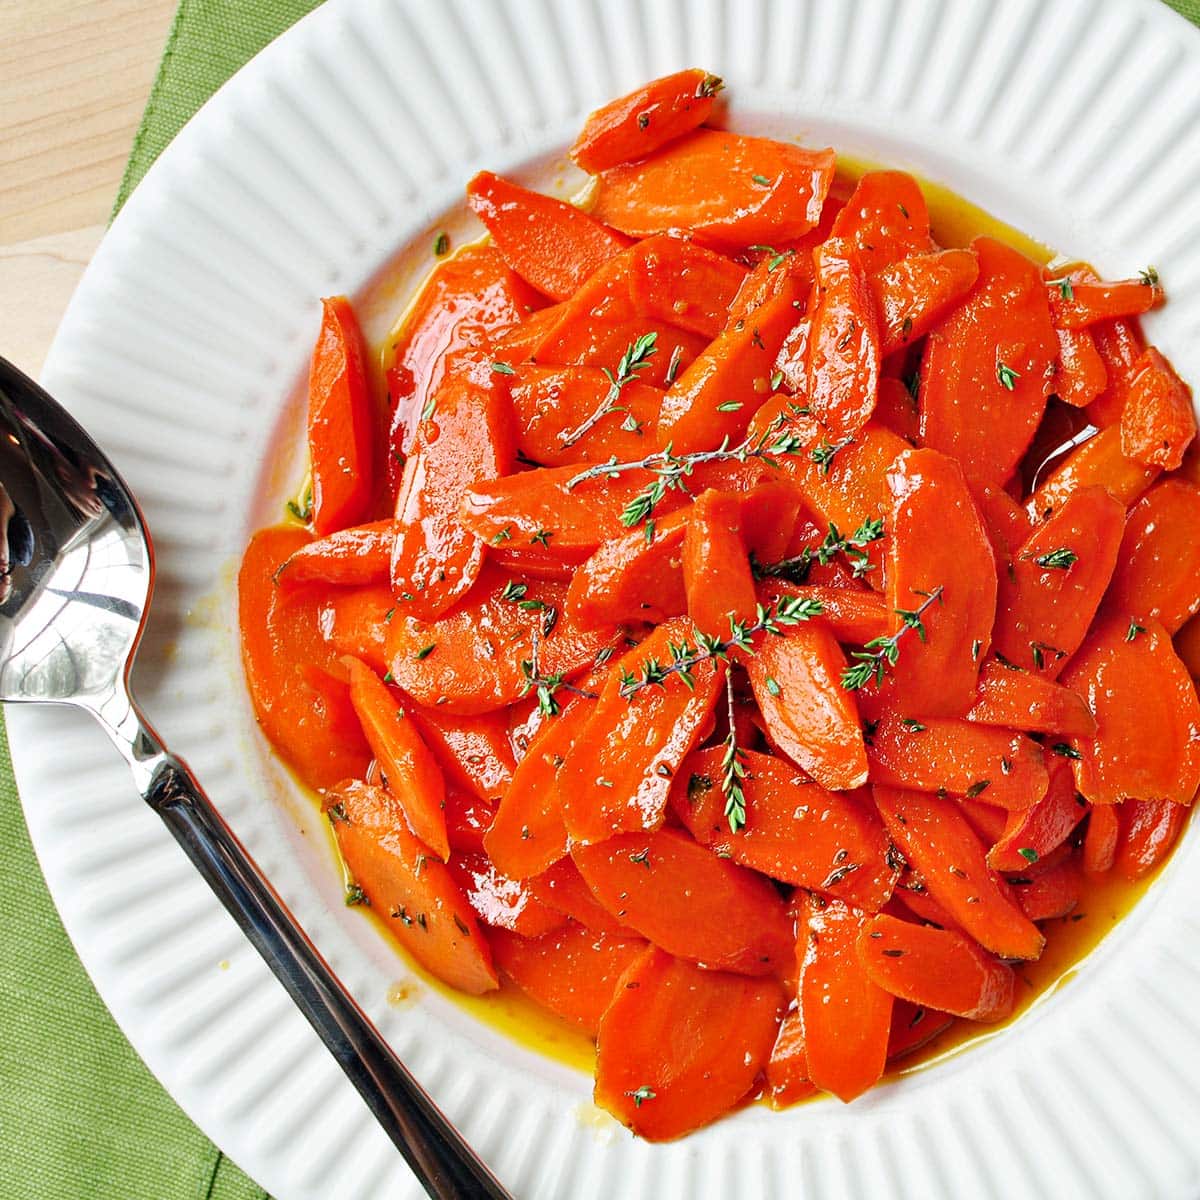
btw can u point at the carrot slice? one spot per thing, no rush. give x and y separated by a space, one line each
795 830
913 1026
514 346
552 405
1055 583
407 767
1032 834
468 437
1158 567
500 901
618 774
936 838
1015 699
467 302
678 281
1147 743
913 294
689 902
1120 346
571 971
414 894
729 187
984 366
635 125
849 614
1081 375
937 671
936 968
349 557
716 568
1075 304
787 1068
528 834
354 621
1052 894
468 818
341 421
960 757
717 394
1100 840
471 660
551 244
664 1064
843 342
1158 422
846 1016
304 712
1187 646
562 888
1148 830
896 409
473 752
809 716
1096 462
885 219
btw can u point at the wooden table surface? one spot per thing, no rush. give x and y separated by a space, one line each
74 78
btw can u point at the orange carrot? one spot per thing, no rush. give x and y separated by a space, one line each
473 752
1015 699
683 283
1077 303
716 568
1032 834
1081 375
1098 461
913 1026
354 621
787 1068
562 888
1100 840
468 818
1052 894
1148 830
1158 422
913 294
349 557
884 220
500 901
1120 346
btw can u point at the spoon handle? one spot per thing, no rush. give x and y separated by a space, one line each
447 1167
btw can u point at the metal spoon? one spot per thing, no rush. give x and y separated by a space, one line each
76 572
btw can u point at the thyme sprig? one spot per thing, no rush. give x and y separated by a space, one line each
795 568
733 768
546 687
671 470
880 653
636 358
771 618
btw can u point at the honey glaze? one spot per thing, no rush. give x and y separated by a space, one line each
1069 940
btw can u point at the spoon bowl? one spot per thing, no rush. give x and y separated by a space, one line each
76 577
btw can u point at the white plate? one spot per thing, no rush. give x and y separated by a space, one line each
1078 121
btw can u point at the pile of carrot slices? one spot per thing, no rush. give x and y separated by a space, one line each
748 625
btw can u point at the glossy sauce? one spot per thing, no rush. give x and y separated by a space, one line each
1069 940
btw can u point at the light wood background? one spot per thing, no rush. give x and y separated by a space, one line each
74 78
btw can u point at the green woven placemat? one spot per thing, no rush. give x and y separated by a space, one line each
80 1116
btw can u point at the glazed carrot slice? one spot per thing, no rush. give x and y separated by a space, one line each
341 421
474 752
683 283
936 838
808 715
1158 567
636 125
787 1068
470 660
1187 646
896 409
936 968
715 397
407 767
1016 699
1100 840
984 366
938 669
1081 375
690 902
843 342
571 971
1077 303
467 302
664 1064
1097 462
885 219
412 893
716 566
349 557
1148 830
564 889
1120 346
728 187
1158 422
913 294
1052 894
913 896
468 437
500 901
618 774
553 403
354 621
528 834
1147 743
913 1026
795 830
1006 522
790 268
987 820
965 759
514 345
550 244
304 712
846 1016
850 614
1032 834
1051 590
468 818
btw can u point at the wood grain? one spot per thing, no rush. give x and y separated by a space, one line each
74 78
